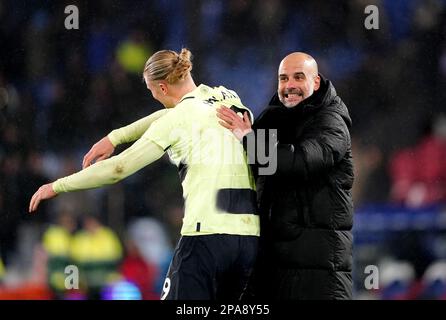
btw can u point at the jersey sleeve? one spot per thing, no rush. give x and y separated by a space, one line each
109 171
135 130
168 130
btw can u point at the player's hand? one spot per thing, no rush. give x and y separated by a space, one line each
101 150
239 126
45 192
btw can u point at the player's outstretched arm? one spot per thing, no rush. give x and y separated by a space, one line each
105 147
109 171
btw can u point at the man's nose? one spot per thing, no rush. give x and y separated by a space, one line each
291 84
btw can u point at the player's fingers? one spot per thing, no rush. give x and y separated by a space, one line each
222 107
226 125
103 157
225 118
36 203
246 118
33 201
230 113
226 111
30 204
89 158
86 161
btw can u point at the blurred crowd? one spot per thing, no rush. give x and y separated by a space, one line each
62 90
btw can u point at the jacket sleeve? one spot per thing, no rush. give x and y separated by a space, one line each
320 147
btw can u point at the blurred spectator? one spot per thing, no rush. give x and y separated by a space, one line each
39 55
133 52
434 282
12 184
121 290
419 172
396 279
96 251
151 240
100 46
368 186
57 244
139 271
97 103
2 270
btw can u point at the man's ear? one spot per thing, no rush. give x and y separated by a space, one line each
163 87
317 83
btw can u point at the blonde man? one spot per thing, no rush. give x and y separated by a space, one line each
217 251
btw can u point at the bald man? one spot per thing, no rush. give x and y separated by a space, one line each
298 79
306 205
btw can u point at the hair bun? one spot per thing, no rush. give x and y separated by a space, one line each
181 67
168 65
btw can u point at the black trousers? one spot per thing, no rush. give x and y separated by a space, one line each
210 267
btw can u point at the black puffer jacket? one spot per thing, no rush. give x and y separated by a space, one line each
306 206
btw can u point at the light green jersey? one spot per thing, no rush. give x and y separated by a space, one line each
218 186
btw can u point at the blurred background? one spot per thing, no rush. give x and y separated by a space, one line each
62 90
